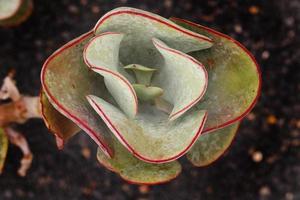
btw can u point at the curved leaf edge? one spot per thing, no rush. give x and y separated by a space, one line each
19 16
199 64
152 16
115 74
14 11
135 182
85 127
219 157
132 150
56 135
251 106
60 140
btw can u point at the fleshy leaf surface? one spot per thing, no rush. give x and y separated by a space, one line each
136 171
9 8
102 55
183 79
146 93
66 80
209 147
150 136
3 148
143 74
62 127
139 27
234 78
12 17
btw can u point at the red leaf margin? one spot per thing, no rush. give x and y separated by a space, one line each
214 32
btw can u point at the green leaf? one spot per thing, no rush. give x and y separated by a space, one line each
143 74
183 79
9 8
3 148
210 146
66 80
14 12
146 93
150 136
58 124
102 56
234 78
136 171
139 27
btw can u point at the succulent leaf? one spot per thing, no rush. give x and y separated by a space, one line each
14 12
147 93
210 146
9 8
62 127
136 171
102 56
183 79
139 27
143 74
66 80
150 136
234 78
3 148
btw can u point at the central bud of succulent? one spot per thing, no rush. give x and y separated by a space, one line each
153 106
151 84
178 83
142 87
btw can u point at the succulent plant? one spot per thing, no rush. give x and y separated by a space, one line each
149 90
14 12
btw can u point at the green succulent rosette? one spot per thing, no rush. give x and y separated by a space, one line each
14 12
149 90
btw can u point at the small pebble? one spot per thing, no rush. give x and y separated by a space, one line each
257 156
265 55
271 119
144 189
254 10
290 21
86 153
95 9
73 9
238 28
251 116
86 191
168 3
84 2
289 196
264 191
298 123
126 188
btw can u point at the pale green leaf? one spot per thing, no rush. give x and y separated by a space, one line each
210 146
102 56
66 80
183 79
150 136
139 27
234 78
136 171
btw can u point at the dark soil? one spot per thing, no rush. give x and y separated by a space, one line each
269 28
